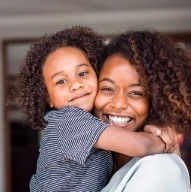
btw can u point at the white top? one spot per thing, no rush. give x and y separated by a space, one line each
154 173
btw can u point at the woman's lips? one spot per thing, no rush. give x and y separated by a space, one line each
119 120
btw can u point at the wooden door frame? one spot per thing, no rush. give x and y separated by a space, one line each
7 140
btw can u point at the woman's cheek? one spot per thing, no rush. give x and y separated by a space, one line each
100 103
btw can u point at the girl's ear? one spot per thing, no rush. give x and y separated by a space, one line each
49 102
51 105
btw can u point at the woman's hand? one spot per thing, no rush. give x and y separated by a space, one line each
168 135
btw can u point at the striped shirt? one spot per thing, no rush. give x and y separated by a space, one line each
68 162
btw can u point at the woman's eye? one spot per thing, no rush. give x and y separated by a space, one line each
137 93
83 73
62 81
106 89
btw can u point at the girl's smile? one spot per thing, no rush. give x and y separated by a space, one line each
70 79
80 96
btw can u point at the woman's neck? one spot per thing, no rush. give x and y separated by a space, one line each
119 161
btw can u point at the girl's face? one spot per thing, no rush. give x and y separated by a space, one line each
70 79
121 99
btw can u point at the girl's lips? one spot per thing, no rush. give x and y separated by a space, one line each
79 96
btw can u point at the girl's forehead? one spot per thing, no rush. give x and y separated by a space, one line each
66 60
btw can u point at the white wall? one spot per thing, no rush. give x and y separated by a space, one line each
167 20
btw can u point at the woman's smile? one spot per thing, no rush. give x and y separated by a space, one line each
122 99
118 120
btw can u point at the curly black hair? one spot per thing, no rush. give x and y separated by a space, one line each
30 91
164 68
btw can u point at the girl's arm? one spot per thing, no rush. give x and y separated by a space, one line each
168 134
135 144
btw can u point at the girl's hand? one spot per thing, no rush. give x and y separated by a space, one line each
168 135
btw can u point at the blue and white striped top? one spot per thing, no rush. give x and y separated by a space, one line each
68 162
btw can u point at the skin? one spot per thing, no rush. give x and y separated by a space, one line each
70 79
121 99
121 96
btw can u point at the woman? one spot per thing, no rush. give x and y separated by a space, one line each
145 80
71 154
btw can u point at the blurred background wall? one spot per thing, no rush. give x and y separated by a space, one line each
22 21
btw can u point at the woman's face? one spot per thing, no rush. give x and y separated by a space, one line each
121 99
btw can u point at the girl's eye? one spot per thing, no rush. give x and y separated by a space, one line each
62 81
83 73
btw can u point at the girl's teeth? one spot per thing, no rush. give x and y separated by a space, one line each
120 120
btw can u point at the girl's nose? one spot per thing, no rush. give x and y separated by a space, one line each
119 101
76 85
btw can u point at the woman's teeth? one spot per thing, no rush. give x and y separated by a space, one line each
119 120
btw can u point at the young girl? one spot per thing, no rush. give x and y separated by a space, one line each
58 80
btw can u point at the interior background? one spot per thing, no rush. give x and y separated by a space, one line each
22 21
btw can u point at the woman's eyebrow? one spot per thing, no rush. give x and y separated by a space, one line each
106 79
136 85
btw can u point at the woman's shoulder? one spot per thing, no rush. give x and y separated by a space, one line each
163 169
161 172
157 162
164 163
163 158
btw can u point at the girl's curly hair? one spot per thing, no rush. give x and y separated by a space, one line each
30 92
164 68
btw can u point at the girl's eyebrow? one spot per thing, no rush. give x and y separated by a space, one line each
56 74
83 64
80 65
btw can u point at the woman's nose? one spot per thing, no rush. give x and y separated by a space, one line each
76 85
119 101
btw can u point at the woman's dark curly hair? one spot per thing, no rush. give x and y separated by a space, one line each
30 92
164 68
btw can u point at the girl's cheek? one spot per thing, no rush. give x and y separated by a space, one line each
100 101
97 101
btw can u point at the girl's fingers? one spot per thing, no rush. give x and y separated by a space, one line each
168 135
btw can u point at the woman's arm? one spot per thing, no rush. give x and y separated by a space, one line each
135 144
